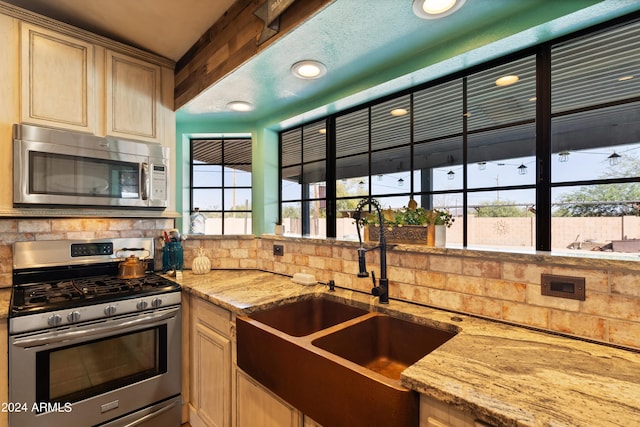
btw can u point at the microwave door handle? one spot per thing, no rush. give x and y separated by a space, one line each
144 181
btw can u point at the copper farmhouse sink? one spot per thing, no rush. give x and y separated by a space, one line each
341 367
384 344
307 316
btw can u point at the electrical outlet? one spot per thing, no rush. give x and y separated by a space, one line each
278 250
563 286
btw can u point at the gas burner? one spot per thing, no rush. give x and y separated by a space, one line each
82 291
49 293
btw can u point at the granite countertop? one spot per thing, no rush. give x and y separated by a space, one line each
502 374
5 300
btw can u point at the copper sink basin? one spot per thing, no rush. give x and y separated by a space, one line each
384 344
305 317
340 373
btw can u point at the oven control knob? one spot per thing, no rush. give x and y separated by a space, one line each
110 310
142 305
73 317
156 302
54 320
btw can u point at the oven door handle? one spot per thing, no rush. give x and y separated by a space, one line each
57 336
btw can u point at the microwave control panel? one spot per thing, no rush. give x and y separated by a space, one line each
159 182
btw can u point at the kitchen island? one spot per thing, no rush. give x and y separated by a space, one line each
500 374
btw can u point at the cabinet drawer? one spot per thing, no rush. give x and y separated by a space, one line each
212 316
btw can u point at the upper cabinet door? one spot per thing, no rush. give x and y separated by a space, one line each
133 98
57 80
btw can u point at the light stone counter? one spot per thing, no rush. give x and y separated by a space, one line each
5 298
504 375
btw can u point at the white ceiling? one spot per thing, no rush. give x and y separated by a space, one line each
369 53
165 27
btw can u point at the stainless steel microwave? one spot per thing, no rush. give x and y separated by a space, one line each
56 167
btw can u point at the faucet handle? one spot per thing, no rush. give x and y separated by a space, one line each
375 291
362 263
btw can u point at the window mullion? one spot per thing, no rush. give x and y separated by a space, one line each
330 178
543 149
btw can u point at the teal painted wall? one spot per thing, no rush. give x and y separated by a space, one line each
264 151
462 51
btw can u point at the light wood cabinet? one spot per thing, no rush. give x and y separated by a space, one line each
133 97
434 413
308 422
60 76
57 79
258 407
9 101
72 84
210 365
4 371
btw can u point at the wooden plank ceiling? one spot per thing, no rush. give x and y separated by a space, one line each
230 42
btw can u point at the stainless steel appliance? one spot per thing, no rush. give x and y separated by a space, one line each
55 167
87 347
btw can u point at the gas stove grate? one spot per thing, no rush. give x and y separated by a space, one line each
82 291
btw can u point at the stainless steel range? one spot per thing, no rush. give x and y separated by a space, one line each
87 347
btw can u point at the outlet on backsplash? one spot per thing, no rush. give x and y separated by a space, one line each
278 250
563 286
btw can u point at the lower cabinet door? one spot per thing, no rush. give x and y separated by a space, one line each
211 378
258 407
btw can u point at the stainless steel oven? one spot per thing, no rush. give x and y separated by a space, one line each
87 348
55 167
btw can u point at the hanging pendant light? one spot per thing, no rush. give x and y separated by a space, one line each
522 169
614 159
400 182
482 165
450 175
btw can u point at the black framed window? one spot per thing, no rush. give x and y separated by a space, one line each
221 184
595 140
538 150
303 181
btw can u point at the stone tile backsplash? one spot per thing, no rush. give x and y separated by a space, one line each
495 285
14 230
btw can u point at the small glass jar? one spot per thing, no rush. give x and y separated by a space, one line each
196 226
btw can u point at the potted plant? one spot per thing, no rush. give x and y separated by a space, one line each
279 228
439 220
409 224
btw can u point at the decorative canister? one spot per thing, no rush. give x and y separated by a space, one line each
201 264
172 258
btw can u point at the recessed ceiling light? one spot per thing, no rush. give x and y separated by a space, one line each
507 80
397 112
308 69
241 106
434 9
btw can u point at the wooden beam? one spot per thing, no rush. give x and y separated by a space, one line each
231 42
